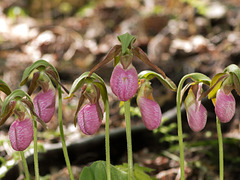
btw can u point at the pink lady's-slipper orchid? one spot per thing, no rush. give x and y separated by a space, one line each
90 118
44 104
21 134
150 110
224 106
196 112
124 82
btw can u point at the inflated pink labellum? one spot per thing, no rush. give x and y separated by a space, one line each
196 112
44 104
224 106
124 82
89 119
151 113
21 134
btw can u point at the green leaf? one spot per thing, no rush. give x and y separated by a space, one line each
4 87
97 171
126 40
168 83
39 65
199 77
139 171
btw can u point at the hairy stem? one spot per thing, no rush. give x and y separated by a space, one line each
220 144
35 155
64 147
129 139
107 143
25 165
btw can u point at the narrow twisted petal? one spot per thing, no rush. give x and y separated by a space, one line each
124 83
44 104
224 106
89 120
151 113
196 116
21 134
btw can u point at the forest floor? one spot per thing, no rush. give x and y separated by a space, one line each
180 37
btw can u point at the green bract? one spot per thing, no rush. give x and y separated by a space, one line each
40 65
95 79
4 87
234 71
168 83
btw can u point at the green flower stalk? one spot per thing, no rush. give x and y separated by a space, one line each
193 107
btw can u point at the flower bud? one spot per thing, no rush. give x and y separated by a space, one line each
151 112
89 118
44 104
196 112
124 82
21 134
224 106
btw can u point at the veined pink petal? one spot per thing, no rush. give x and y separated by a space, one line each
124 83
196 116
224 106
44 104
88 119
21 134
151 113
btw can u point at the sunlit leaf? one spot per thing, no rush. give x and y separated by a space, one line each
40 65
139 171
168 83
126 40
97 171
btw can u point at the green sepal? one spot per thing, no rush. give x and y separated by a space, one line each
97 171
4 87
234 70
216 84
199 77
127 41
39 65
168 83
